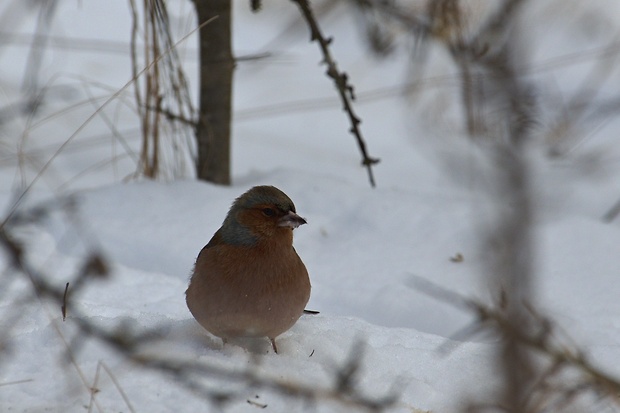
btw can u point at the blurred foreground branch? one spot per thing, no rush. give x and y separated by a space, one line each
136 347
560 355
497 107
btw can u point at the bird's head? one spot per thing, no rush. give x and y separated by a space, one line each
260 213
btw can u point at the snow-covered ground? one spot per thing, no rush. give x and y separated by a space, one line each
366 249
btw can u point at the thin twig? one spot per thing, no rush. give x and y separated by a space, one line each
341 81
117 385
63 308
14 382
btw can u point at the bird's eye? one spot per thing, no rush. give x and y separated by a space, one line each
269 212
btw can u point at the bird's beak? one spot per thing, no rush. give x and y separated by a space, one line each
291 220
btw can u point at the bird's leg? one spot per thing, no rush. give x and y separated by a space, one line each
273 344
224 342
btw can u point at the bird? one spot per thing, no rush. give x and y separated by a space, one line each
248 281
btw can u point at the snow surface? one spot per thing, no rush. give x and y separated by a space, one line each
365 249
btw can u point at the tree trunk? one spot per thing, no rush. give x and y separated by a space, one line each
216 74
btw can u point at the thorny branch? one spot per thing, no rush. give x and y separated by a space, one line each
341 80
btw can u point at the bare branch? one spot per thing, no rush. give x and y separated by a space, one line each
341 81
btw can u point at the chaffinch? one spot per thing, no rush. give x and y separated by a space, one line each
248 280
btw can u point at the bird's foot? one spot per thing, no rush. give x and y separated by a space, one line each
273 344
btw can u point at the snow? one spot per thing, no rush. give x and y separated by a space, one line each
366 250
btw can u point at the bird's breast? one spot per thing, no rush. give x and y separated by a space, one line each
259 291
